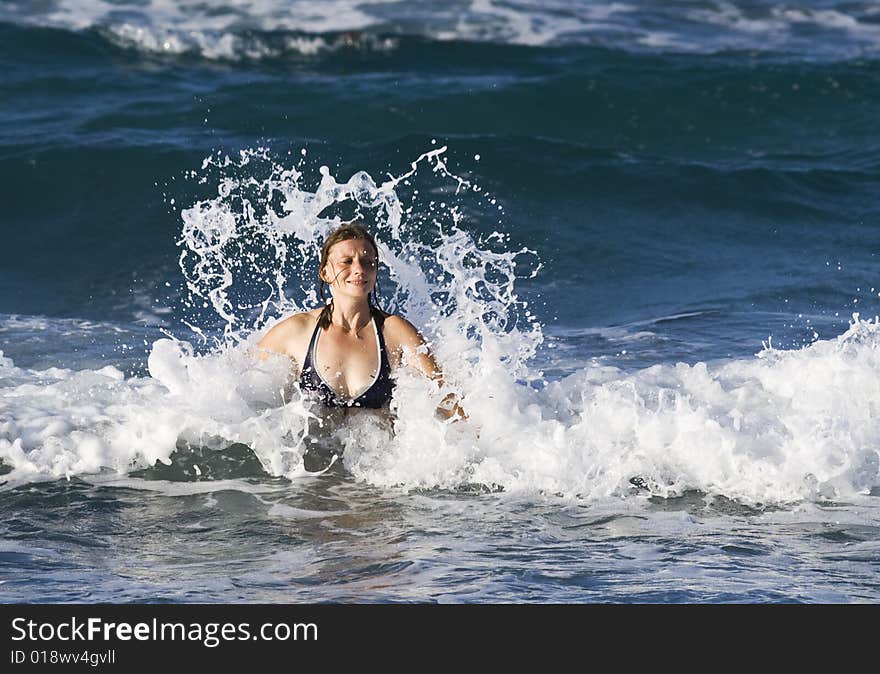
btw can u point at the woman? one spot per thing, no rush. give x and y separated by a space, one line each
345 351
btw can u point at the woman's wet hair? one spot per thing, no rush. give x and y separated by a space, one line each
345 232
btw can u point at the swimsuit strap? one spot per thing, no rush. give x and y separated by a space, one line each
380 392
384 361
308 363
379 316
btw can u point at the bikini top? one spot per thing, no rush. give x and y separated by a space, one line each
376 395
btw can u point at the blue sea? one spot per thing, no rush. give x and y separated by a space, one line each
641 239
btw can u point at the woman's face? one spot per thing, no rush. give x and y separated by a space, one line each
351 268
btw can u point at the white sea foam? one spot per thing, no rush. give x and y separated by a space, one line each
780 427
215 30
167 488
779 27
257 29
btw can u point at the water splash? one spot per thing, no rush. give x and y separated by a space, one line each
777 428
249 253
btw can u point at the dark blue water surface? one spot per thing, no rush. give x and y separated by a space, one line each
708 172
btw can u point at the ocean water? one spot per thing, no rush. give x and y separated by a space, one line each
640 237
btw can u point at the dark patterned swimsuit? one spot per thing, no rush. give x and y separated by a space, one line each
377 395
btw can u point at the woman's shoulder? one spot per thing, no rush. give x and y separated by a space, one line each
283 337
400 331
298 322
395 322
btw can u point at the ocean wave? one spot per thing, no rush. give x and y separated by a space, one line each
779 427
782 427
239 29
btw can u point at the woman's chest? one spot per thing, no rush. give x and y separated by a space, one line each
347 364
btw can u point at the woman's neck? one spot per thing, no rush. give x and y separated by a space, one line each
350 315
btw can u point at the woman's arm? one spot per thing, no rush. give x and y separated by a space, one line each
275 341
286 338
407 340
